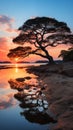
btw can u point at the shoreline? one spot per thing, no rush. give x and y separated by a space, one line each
58 83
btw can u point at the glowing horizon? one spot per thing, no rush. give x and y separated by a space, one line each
12 17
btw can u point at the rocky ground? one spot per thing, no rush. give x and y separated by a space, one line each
58 82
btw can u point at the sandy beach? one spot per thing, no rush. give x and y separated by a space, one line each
58 83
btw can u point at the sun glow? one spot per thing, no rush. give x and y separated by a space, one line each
16 68
16 59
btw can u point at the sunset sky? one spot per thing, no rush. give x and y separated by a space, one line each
13 13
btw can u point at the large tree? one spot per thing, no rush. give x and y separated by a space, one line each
38 34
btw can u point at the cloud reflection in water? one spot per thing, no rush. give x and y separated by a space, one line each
6 101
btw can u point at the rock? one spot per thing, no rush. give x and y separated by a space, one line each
68 72
20 79
43 88
28 77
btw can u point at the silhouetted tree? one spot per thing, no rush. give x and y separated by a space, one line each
67 55
40 33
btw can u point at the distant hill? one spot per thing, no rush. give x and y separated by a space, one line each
5 62
22 62
45 61
41 61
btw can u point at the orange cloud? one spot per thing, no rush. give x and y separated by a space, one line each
3 43
7 33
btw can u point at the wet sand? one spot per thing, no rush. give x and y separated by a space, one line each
58 83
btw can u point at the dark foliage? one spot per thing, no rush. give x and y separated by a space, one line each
67 55
20 52
42 32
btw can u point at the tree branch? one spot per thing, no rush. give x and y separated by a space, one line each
36 53
39 54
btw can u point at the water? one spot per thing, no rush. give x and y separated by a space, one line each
26 112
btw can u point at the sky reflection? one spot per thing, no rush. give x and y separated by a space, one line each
6 101
6 93
13 114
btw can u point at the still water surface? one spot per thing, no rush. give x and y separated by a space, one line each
11 117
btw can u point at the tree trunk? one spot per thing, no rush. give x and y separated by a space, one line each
47 56
50 58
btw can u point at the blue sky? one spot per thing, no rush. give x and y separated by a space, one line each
21 10
13 13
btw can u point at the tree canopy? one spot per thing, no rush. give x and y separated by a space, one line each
19 52
38 34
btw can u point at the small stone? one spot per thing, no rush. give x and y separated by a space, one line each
28 97
45 102
20 79
34 101
40 101
27 87
43 88
46 106
28 77
43 95
40 109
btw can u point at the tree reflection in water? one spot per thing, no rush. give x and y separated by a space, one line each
32 100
